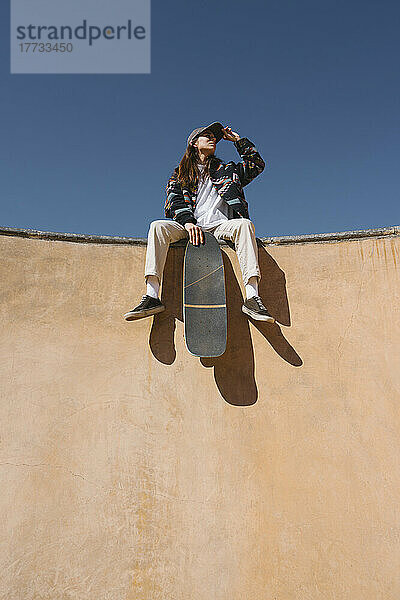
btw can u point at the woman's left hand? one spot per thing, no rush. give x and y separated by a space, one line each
230 135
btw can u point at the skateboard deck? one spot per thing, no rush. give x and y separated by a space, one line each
204 302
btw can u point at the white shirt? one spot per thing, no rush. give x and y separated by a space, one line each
211 209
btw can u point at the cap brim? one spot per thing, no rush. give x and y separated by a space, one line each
215 127
217 130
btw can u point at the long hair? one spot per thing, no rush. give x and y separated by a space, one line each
188 172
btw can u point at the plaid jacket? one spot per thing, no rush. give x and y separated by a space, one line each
228 178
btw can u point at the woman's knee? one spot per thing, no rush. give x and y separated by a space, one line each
246 225
159 227
158 224
167 230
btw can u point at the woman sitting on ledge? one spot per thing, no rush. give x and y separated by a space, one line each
206 194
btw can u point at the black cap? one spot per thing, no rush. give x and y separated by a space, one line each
216 128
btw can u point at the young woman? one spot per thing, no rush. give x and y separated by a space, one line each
206 194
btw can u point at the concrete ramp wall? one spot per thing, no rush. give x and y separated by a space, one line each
131 470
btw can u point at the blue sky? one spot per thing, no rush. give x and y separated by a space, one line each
315 85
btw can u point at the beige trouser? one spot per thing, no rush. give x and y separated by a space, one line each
239 231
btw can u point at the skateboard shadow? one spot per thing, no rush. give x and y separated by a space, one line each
234 370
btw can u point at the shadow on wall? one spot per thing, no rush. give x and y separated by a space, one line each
234 370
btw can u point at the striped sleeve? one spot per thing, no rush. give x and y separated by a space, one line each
177 204
252 164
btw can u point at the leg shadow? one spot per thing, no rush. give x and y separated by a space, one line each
272 290
162 335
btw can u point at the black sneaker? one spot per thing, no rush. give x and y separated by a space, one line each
256 310
147 307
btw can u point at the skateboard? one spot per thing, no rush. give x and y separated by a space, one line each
204 301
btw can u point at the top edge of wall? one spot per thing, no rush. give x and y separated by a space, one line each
279 240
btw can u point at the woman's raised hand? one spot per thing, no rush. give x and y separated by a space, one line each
230 135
